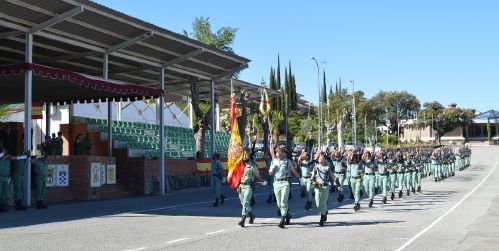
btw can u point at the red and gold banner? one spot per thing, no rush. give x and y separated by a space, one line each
235 154
36 110
204 166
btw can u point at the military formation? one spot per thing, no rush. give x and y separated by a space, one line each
13 169
390 173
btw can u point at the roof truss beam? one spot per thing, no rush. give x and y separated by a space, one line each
46 24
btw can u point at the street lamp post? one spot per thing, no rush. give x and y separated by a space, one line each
354 115
320 103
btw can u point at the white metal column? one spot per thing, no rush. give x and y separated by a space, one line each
162 133
105 71
28 96
191 124
218 117
212 115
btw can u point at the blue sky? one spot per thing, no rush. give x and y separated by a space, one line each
437 50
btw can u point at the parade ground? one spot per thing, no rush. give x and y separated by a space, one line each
458 213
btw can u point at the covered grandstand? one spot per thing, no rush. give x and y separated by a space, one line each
67 52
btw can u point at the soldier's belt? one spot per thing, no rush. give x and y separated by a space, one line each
282 179
339 172
383 174
357 177
306 177
369 173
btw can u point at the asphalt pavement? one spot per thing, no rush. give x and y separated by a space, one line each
458 213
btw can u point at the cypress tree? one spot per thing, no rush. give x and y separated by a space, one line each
324 95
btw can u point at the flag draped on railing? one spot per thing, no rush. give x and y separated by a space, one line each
235 154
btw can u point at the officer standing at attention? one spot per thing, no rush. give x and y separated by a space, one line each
19 175
355 168
246 186
41 177
281 168
321 176
306 166
216 178
4 180
369 170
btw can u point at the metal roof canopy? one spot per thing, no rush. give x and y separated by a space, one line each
75 35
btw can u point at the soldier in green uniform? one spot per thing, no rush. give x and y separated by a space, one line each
246 186
59 142
339 172
355 166
392 167
216 179
305 168
400 171
4 180
408 169
321 176
41 177
369 171
282 168
19 176
349 175
382 173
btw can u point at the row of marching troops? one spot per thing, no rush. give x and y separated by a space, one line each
389 171
13 169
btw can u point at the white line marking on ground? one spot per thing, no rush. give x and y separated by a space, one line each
267 220
177 240
136 249
448 212
216 232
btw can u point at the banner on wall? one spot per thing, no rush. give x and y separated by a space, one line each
111 174
51 171
103 174
95 174
62 177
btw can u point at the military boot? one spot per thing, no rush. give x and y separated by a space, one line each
419 189
413 190
400 194
371 202
321 222
384 200
281 224
243 219
408 192
393 196
222 199
288 219
40 205
216 203
252 218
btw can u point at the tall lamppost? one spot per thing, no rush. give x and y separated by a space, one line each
354 115
320 102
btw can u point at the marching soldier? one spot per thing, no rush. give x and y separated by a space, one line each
41 177
246 186
19 175
369 171
400 171
270 179
4 180
392 168
382 173
282 168
349 175
339 172
306 167
321 176
355 168
410 173
216 179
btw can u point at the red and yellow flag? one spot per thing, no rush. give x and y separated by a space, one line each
265 103
36 110
235 155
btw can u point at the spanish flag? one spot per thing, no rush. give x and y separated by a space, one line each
36 110
265 103
235 155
